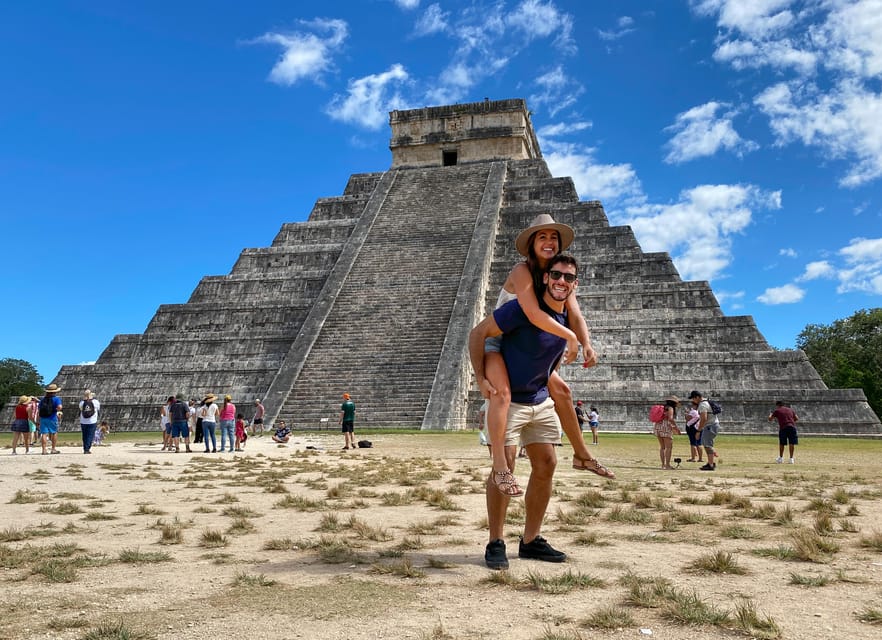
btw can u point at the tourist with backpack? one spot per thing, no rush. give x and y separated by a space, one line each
708 426
89 407
50 412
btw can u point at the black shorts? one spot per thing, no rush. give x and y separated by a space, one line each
257 421
788 435
347 426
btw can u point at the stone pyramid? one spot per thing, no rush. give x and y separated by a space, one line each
376 292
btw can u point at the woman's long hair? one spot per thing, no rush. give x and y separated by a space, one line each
536 270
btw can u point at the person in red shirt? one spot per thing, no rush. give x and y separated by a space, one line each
787 420
20 428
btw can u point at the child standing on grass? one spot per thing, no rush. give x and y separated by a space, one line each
241 436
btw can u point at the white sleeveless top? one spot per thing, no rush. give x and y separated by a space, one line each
505 296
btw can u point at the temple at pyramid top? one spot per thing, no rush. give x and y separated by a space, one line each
375 294
462 133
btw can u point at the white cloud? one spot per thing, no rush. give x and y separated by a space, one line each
864 266
624 26
562 129
700 132
697 230
835 43
787 294
790 253
756 18
434 20
408 5
557 91
846 121
369 99
593 181
816 270
306 54
727 296
537 19
487 38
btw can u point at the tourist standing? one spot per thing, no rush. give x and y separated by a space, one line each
257 421
20 428
594 424
209 412
89 407
165 425
179 416
347 421
787 434
50 411
708 426
228 422
665 429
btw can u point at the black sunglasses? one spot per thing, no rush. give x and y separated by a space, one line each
554 274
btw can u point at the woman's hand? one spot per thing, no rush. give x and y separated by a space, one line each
487 389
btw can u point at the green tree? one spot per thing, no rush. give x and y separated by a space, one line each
18 378
848 353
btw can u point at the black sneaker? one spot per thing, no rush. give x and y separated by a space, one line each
494 555
708 467
539 549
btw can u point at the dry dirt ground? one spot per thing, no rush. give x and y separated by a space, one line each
290 542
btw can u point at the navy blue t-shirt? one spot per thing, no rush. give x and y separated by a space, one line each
530 353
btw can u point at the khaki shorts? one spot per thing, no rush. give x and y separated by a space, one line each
532 424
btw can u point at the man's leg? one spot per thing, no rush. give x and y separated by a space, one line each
53 438
497 502
543 459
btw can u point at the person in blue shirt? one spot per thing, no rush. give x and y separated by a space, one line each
531 355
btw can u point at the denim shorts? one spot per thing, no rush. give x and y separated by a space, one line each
788 435
493 345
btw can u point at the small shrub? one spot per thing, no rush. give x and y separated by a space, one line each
134 556
809 581
872 541
718 562
243 579
213 539
609 618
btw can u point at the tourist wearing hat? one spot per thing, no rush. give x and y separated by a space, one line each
20 428
209 413
538 243
347 422
50 412
89 407
228 422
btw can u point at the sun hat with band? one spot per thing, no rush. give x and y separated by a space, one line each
540 222
23 399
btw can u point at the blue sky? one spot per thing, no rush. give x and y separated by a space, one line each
145 144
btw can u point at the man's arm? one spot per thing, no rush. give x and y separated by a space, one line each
487 328
702 420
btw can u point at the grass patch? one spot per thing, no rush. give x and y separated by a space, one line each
870 615
281 544
171 534
739 532
62 509
809 581
808 546
116 630
611 617
872 541
628 516
300 503
718 562
563 583
134 556
402 568
243 579
241 526
213 539
748 620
